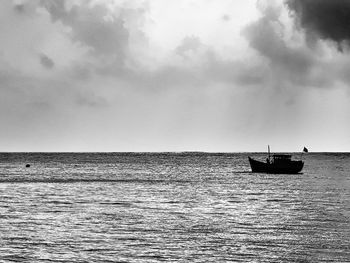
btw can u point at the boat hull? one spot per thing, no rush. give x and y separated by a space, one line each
292 167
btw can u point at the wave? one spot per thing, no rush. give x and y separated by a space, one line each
93 180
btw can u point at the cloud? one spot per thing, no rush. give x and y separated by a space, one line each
226 18
113 33
327 19
91 26
19 8
291 62
151 75
42 63
189 43
46 61
115 42
90 100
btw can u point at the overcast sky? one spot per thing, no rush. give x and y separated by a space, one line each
174 75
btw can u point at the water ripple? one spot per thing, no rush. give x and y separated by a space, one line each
171 207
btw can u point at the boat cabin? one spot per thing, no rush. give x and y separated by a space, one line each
281 158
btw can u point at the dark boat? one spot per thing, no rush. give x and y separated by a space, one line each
280 164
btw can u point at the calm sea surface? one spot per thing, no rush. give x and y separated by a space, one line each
171 207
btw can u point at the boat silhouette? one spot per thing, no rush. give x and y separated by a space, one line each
278 164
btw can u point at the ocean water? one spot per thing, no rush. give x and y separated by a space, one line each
171 207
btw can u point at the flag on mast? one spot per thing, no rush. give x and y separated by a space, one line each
305 150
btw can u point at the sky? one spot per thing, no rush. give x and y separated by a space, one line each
166 75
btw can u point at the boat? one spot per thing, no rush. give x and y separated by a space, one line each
278 164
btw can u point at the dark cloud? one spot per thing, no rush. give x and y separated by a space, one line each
92 26
288 65
328 19
264 38
289 62
46 61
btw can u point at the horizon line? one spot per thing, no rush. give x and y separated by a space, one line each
208 152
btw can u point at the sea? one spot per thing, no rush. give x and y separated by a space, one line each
172 207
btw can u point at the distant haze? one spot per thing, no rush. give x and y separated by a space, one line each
165 75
